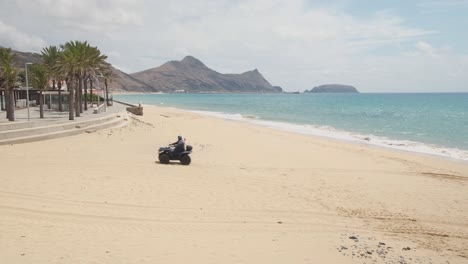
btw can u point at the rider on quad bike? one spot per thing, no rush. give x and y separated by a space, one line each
176 151
179 146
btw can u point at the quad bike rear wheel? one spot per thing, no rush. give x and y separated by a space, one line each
185 160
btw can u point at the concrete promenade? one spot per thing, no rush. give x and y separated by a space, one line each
54 117
56 124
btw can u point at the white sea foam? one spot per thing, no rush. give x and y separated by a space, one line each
234 117
330 132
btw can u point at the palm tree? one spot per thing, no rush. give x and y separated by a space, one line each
68 65
40 80
95 65
79 61
50 55
8 78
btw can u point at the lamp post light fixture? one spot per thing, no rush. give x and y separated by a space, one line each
27 88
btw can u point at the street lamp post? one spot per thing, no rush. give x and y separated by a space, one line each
27 88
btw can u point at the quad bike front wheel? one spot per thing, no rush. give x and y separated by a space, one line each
164 158
185 160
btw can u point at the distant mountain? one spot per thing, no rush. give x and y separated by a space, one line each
191 75
123 82
188 75
21 58
333 88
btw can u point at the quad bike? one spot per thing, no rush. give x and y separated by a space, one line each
167 154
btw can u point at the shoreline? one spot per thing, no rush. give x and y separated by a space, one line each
429 150
252 194
417 140
353 138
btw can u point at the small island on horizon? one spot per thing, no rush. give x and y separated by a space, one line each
333 88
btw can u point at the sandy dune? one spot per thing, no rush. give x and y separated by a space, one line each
251 195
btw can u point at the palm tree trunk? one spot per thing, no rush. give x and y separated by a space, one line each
2 107
60 96
6 104
41 104
81 95
77 97
91 87
11 106
49 105
107 92
85 94
71 100
15 96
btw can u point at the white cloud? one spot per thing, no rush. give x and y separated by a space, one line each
292 43
14 38
86 15
426 48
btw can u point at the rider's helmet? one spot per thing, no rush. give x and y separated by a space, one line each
179 137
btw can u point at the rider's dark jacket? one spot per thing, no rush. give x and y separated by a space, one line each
179 146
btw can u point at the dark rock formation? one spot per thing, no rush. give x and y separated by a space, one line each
136 110
333 88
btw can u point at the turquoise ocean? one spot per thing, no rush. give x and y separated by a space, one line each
432 123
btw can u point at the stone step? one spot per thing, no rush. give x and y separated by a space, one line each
37 130
5 126
114 122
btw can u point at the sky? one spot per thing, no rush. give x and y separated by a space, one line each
377 46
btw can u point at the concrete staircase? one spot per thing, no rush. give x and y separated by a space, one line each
16 133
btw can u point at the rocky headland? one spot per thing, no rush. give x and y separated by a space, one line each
190 75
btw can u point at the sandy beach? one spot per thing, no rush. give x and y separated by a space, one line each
251 195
